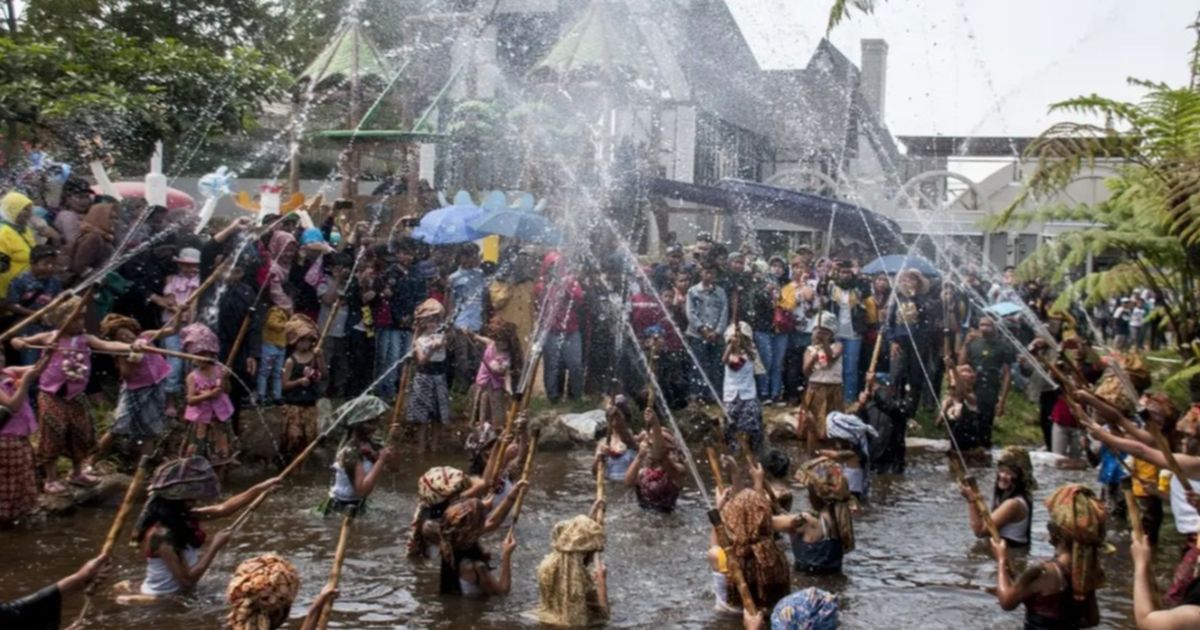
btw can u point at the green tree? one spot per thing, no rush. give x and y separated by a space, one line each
1152 217
99 84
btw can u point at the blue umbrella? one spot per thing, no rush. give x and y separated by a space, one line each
519 224
1004 309
448 225
894 263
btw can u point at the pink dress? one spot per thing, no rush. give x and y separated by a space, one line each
493 368
23 422
151 370
181 288
71 365
220 408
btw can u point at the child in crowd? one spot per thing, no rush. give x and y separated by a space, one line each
209 409
336 352
429 400
740 393
270 365
179 287
18 492
301 377
489 395
33 289
66 427
823 370
141 414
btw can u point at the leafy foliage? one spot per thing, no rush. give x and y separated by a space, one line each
103 85
841 11
1153 215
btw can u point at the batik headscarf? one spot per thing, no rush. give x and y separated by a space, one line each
462 526
809 609
439 484
1077 516
826 480
1017 458
185 479
261 593
747 520
564 582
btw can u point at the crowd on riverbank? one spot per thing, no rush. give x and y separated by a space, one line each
118 304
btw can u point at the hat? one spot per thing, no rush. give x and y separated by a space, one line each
261 593
188 256
439 484
362 409
742 328
430 308
299 327
845 263
826 320
1017 458
198 338
312 238
185 479
809 609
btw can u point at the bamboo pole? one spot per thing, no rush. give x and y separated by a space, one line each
401 399
335 574
28 319
150 349
519 404
516 509
1135 514
715 464
874 358
114 530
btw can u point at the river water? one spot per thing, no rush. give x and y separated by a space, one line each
917 564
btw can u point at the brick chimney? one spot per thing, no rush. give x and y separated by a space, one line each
873 77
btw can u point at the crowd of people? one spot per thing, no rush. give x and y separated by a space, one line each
116 303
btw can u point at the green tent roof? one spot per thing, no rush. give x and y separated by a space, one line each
603 45
337 59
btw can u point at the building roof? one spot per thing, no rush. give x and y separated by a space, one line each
965 146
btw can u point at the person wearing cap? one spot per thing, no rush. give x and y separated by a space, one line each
823 369
168 530
429 396
708 315
663 274
178 288
906 329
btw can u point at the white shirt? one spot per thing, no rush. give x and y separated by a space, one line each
1187 521
740 383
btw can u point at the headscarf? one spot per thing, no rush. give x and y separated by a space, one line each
462 526
826 480
99 220
58 315
115 321
439 484
280 239
199 339
430 308
1080 518
298 327
261 593
809 609
11 205
747 520
1017 458
564 581
185 479
844 426
278 274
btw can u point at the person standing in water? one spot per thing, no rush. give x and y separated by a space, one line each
1060 592
1012 499
572 580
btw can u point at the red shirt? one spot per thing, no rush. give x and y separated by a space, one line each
645 312
562 306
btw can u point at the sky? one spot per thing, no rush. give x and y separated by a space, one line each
975 67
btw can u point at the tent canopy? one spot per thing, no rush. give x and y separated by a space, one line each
740 196
337 60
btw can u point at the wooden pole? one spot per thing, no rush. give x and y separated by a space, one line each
118 523
519 404
29 319
714 463
401 399
516 510
335 574
1135 514
150 349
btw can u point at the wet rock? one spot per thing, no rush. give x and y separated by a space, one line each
780 426
553 435
108 493
585 427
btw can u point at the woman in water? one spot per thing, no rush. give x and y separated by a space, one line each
1012 503
466 566
356 469
168 530
1060 592
826 534
572 582
657 470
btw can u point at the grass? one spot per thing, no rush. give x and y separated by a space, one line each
1018 425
